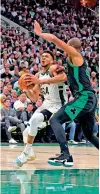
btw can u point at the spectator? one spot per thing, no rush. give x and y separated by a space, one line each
6 73
5 112
24 69
22 102
24 61
9 87
6 65
15 74
9 50
96 126
11 59
1 85
34 69
9 116
13 97
93 77
72 128
27 114
39 101
2 98
5 91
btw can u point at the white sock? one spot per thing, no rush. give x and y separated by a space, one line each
27 148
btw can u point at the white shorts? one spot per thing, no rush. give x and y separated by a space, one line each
53 108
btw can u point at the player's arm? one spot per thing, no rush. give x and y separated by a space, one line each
59 43
56 77
34 92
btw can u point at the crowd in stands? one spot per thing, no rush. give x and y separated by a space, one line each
21 54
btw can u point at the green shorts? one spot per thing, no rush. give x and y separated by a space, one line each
84 103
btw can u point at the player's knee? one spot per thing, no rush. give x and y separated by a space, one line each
25 132
53 120
35 121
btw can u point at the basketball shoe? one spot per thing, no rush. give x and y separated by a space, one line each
63 159
24 158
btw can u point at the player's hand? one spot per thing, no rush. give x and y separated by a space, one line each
30 86
88 3
59 69
37 28
83 2
31 79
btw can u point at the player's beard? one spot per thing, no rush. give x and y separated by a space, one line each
45 65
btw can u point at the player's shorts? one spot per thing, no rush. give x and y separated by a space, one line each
86 102
51 107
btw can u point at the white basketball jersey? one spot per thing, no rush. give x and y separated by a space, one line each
53 93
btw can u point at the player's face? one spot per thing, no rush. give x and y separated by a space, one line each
46 60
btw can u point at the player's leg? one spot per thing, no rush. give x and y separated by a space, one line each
34 122
32 130
87 128
87 117
56 123
30 133
78 107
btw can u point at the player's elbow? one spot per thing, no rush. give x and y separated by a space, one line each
64 77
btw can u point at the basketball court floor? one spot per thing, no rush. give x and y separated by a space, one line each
39 177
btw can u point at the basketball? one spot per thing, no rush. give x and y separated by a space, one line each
88 3
23 83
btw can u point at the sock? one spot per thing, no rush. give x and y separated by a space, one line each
27 148
64 148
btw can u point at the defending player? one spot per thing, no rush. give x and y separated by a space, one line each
84 104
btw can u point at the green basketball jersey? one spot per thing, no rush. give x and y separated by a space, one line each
78 78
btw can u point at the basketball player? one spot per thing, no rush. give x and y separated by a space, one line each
84 104
54 89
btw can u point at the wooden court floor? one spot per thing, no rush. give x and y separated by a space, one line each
85 157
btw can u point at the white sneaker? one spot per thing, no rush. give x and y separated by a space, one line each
31 155
12 128
20 160
24 158
12 141
73 142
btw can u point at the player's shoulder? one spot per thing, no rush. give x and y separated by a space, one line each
53 67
